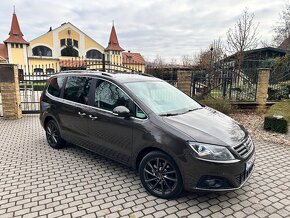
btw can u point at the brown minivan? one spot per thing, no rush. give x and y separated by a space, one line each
145 123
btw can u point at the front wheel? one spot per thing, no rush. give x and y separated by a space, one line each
160 175
53 135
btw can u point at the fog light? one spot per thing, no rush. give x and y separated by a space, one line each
213 182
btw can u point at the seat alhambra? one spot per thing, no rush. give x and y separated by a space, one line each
174 142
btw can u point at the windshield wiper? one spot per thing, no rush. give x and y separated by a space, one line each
194 109
168 114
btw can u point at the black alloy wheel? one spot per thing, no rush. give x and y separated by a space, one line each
160 175
53 135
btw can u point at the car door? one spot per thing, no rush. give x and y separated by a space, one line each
110 134
74 111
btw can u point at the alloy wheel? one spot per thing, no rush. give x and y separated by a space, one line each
160 176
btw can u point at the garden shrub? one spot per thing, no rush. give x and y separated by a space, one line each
277 118
220 104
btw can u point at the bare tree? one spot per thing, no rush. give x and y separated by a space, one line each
243 36
282 29
158 61
215 52
173 62
187 60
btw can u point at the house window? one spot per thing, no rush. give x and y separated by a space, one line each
42 51
21 46
76 43
12 45
62 42
17 45
38 70
94 54
50 71
69 51
69 41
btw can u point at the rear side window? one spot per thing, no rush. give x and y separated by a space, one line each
55 86
77 89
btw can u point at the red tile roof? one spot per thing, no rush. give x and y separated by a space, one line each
3 51
113 44
15 34
132 58
72 63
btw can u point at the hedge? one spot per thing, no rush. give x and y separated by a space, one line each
277 118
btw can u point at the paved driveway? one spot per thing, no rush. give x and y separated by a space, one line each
36 181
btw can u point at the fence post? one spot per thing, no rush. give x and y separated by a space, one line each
9 85
262 89
184 81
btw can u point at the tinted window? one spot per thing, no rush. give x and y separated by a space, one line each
42 51
108 96
55 86
94 54
77 89
62 42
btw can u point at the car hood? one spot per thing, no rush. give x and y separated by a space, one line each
209 126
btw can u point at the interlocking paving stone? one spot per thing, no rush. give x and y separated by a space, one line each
38 181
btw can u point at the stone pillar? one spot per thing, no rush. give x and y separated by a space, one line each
262 89
184 81
9 85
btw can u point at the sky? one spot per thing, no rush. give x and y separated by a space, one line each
168 28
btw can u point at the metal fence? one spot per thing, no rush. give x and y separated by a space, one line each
225 82
279 85
31 86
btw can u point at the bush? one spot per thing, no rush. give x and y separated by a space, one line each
276 124
277 118
220 104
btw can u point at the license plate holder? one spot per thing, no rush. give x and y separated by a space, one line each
250 162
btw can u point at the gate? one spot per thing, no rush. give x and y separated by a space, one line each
232 84
31 86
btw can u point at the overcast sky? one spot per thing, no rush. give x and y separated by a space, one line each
169 28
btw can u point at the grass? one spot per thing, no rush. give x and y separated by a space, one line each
220 104
277 118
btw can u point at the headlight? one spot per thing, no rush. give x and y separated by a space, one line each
211 152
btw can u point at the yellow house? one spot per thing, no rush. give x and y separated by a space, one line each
66 47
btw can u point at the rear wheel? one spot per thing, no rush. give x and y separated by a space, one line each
53 135
160 175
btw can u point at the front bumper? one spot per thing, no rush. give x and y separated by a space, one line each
213 176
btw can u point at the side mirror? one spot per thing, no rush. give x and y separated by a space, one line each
121 111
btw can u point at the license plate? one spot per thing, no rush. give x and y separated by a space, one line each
250 162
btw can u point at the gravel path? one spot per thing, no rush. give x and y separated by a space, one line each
253 122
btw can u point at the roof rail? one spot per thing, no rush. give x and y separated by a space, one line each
106 74
146 74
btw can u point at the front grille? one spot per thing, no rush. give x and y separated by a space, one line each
244 148
243 176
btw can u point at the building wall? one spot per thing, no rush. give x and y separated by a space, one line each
64 34
91 44
43 63
46 39
18 56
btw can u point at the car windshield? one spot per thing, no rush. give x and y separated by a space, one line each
162 98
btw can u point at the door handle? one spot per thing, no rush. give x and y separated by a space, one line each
81 114
93 117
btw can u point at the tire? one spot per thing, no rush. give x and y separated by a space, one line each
53 136
160 175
